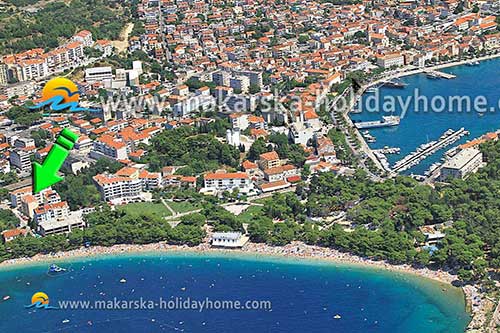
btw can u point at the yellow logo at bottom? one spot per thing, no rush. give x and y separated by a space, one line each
40 300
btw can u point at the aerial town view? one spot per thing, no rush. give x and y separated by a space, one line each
259 166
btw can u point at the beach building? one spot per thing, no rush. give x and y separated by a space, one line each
467 161
59 226
11 234
229 239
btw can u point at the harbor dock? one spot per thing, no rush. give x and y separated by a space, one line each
424 151
439 74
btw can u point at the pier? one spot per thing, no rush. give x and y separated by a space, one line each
388 150
426 150
440 74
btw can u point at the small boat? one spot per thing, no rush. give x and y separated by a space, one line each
123 281
56 269
337 316
65 321
6 298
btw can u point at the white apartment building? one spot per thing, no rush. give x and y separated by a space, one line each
65 225
32 69
115 188
20 158
102 75
49 212
84 37
239 120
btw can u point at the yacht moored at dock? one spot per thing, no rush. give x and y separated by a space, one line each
387 121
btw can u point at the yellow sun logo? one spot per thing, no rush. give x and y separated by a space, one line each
60 86
40 298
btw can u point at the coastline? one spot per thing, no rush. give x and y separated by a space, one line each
476 305
297 250
427 68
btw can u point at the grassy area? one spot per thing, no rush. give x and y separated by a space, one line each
249 213
262 200
182 206
139 208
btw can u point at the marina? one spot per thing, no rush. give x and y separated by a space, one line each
427 149
421 127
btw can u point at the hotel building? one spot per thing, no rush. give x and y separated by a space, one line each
227 181
467 161
391 60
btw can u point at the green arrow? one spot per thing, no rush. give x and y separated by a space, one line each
45 175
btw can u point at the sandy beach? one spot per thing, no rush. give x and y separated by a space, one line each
295 250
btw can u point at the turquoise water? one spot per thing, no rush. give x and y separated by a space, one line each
305 295
420 127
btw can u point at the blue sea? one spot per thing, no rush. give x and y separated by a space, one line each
418 127
305 296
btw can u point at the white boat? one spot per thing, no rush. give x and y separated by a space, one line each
387 121
123 281
337 316
6 298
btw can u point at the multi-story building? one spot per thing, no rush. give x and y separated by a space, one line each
240 83
221 78
20 158
201 101
106 146
115 188
48 212
102 75
4 77
269 160
254 77
467 161
24 143
222 181
32 69
390 60
280 173
84 37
